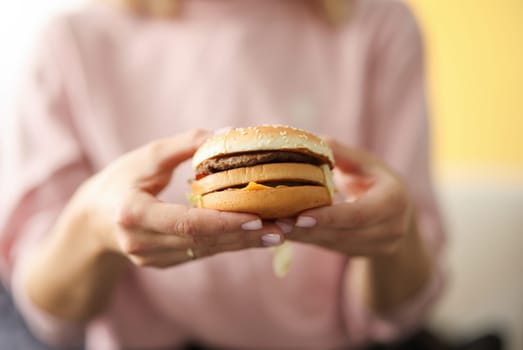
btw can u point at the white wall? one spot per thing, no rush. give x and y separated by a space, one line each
485 290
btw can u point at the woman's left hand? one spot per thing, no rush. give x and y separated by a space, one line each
374 216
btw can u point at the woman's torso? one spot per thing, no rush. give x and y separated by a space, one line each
220 64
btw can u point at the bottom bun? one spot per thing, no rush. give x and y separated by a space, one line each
271 203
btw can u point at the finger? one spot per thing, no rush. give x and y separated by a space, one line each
385 199
171 257
172 151
150 167
352 160
370 241
184 221
350 185
189 225
139 242
146 212
165 154
285 225
268 236
383 232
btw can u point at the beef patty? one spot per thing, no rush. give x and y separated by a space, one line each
239 160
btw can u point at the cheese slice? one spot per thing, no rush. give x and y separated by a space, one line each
254 186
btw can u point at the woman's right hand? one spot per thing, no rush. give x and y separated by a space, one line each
123 215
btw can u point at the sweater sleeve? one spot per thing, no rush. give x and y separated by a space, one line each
42 165
398 131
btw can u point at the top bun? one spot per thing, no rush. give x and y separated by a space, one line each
264 138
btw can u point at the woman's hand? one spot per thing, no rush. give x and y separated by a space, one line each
121 207
374 216
115 217
375 220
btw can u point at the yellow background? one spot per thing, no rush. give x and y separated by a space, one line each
475 62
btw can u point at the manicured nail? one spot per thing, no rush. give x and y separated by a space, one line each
305 221
285 226
271 239
252 225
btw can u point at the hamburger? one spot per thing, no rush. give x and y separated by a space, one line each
271 171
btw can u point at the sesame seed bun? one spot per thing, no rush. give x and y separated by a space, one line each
264 138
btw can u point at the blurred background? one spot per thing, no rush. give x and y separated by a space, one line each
475 61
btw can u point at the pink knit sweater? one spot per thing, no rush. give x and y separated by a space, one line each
104 82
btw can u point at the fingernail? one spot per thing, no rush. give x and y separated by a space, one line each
252 225
271 239
305 221
284 226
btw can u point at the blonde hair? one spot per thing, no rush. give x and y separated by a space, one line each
335 11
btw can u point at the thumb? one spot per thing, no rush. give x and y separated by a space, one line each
167 154
351 160
152 165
